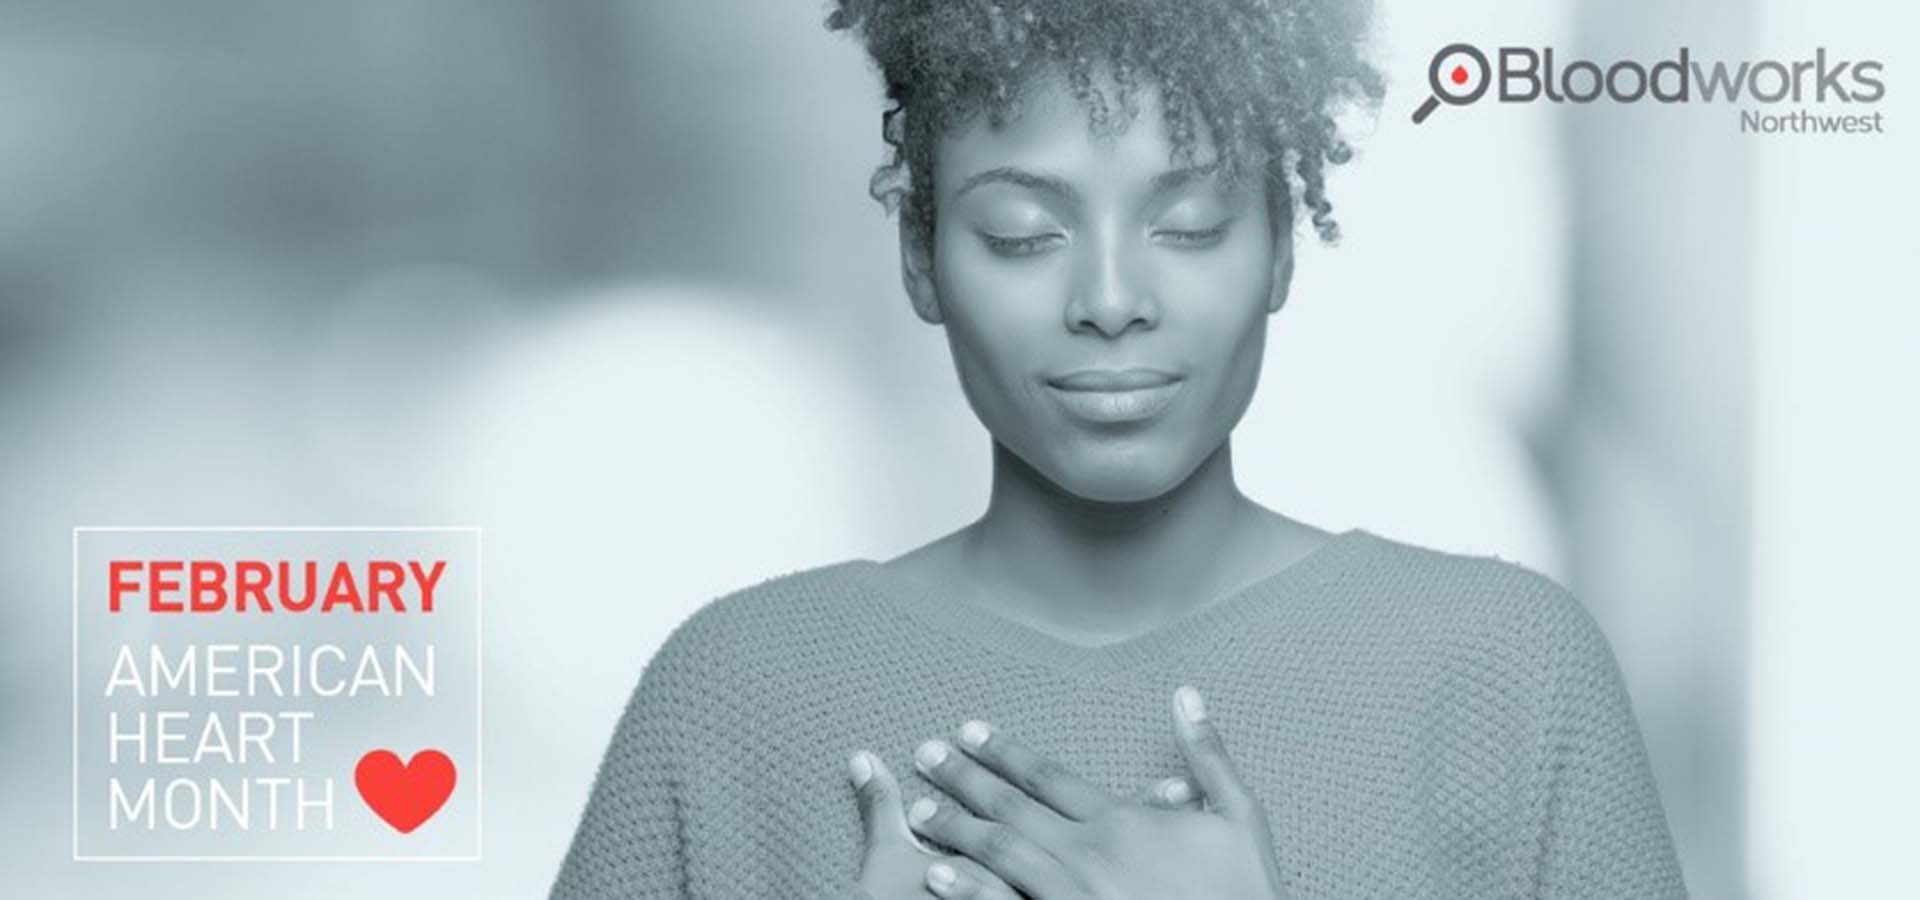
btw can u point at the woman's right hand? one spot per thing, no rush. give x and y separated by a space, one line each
894 865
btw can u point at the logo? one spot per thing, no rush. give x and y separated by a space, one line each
1461 74
1458 75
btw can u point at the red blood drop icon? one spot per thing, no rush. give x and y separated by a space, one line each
1459 74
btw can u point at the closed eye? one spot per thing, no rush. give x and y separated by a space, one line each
1205 237
1021 245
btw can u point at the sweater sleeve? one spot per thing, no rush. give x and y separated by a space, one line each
627 845
1605 834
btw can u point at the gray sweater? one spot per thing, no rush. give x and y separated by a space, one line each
1417 724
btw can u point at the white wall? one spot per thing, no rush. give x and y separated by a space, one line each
1836 609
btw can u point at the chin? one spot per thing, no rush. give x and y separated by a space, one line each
1109 477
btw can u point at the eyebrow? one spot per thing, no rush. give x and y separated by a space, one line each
1057 186
1048 184
1166 181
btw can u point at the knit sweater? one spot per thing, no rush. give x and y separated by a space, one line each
1415 723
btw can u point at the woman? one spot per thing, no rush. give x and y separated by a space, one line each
1097 203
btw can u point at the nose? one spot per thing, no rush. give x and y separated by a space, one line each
1110 292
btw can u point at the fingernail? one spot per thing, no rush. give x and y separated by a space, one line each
1188 700
1178 792
941 877
974 733
921 810
859 768
930 754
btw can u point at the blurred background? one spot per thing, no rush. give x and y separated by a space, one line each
603 279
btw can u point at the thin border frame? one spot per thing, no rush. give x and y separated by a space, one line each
479 692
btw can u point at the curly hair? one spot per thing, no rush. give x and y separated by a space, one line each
1264 74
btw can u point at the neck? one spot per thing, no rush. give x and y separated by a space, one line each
1112 566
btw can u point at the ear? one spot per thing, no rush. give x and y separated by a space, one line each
1283 252
1282 267
916 273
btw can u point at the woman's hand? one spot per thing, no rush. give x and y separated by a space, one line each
895 865
1041 829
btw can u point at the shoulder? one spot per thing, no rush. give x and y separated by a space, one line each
763 622
1494 600
1496 640
708 679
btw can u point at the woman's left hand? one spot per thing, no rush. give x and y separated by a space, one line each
1055 836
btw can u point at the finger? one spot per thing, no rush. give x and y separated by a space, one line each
964 879
1207 758
1039 776
882 816
987 794
997 846
1171 793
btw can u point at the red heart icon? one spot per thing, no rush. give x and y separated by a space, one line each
408 794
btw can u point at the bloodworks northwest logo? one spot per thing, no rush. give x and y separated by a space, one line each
1823 93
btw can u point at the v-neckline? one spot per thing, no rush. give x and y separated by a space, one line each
952 613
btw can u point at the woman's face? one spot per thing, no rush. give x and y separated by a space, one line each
1106 307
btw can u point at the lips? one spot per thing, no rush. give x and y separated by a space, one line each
1112 396
1113 379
